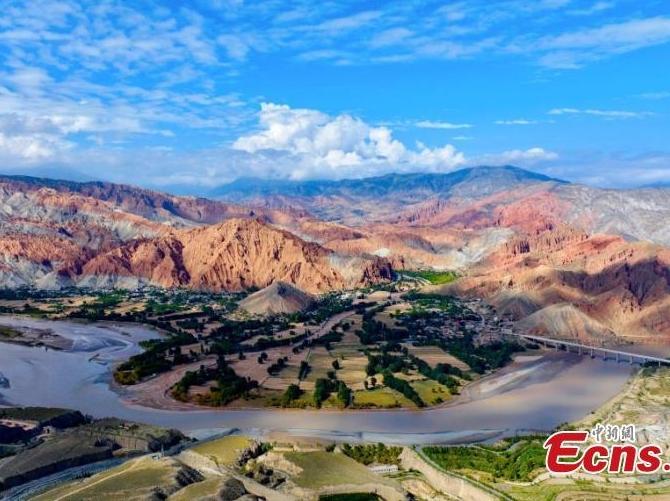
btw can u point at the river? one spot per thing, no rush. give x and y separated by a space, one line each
533 393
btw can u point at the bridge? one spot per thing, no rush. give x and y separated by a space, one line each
593 351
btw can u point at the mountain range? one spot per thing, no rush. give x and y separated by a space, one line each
461 198
560 257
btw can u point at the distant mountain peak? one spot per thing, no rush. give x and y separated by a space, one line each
438 184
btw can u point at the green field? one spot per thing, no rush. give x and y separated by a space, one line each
512 460
433 276
431 392
382 398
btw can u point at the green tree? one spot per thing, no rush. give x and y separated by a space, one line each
343 394
292 393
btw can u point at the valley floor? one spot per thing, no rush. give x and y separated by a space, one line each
367 349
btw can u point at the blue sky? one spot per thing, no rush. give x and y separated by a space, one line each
189 95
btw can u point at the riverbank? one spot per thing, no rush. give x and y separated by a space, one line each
538 403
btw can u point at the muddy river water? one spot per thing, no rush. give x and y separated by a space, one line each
533 393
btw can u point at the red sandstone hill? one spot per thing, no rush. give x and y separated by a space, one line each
234 255
55 233
612 287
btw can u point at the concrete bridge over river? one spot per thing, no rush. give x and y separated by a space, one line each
593 351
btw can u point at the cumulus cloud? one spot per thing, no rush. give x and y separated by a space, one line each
29 148
31 139
333 146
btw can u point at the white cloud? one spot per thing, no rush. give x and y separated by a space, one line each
82 80
529 157
289 143
351 22
573 49
30 139
593 9
326 146
305 143
336 56
236 47
29 78
29 148
517 121
610 114
390 37
655 95
615 37
430 124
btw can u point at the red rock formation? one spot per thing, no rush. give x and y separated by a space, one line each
234 255
623 286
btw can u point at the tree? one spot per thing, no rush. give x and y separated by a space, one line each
373 381
343 393
292 393
336 364
322 390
